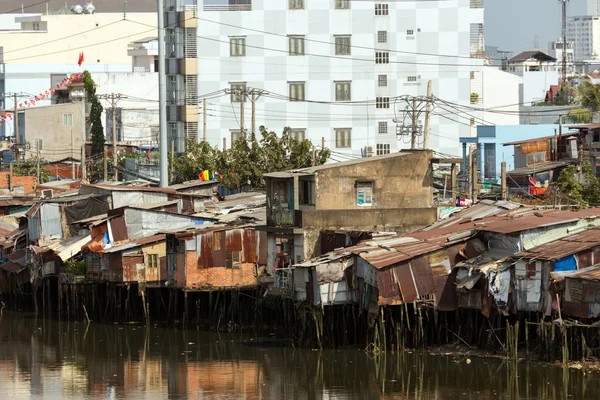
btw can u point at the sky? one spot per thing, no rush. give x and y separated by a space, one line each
512 25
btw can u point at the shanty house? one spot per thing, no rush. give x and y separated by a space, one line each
389 193
215 257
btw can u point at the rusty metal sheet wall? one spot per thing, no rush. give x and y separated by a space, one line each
220 255
423 277
118 228
205 259
469 299
445 294
404 278
584 259
454 254
439 263
130 272
249 245
591 292
579 310
389 292
233 240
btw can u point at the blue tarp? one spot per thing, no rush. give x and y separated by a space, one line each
565 264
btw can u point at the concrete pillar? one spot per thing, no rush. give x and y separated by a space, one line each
481 161
465 158
270 253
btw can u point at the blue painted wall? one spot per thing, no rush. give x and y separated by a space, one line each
496 136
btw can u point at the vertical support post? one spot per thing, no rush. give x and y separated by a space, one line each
162 96
173 157
17 139
224 144
114 137
37 145
453 180
503 180
468 173
72 157
242 99
10 180
413 136
427 115
83 171
322 142
474 187
204 113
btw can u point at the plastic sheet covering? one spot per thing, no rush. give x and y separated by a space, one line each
565 264
87 208
96 245
499 284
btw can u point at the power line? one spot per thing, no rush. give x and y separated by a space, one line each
23 7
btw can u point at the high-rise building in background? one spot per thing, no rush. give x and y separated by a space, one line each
593 7
331 71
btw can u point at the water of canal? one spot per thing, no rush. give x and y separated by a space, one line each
42 359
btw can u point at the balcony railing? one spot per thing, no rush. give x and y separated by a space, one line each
227 7
282 217
476 3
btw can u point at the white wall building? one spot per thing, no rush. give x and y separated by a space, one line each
345 62
593 7
555 49
584 32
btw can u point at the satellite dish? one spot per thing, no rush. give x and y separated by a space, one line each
77 9
89 8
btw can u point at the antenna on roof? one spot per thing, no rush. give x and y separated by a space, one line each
125 10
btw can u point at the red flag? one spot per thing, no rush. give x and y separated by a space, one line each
80 59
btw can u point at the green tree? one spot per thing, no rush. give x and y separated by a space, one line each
97 131
569 186
29 168
199 156
589 96
580 116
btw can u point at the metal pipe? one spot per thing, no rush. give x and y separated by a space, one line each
162 97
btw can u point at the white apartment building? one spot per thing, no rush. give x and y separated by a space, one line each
593 7
331 70
37 51
584 32
555 49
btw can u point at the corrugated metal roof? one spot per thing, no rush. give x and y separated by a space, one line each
589 274
564 247
537 168
66 249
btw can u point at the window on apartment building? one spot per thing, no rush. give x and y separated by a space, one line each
232 259
383 148
382 127
342 4
410 32
342 45
235 135
382 9
237 46
171 43
472 74
238 92
36 26
296 4
296 91
364 194
381 36
382 57
307 193
382 102
151 260
343 137
411 78
382 80
67 119
298 134
296 44
343 91
472 121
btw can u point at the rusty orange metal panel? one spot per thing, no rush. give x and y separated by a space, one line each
423 276
404 277
206 250
249 245
585 259
162 273
445 295
130 270
219 252
389 292
180 271
233 240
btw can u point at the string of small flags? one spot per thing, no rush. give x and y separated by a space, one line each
31 102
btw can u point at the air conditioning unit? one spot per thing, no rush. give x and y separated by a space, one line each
47 194
369 151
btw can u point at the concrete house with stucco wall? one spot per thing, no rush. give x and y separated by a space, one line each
388 193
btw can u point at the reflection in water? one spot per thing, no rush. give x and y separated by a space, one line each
47 359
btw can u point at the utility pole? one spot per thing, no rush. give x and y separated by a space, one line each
83 171
242 100
162 97
322 142
72 158
427 115
224 144
39 142
474 178
413 136
16 126
564 40
503 180
253 113
172 153
114 137
105 160
203 122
